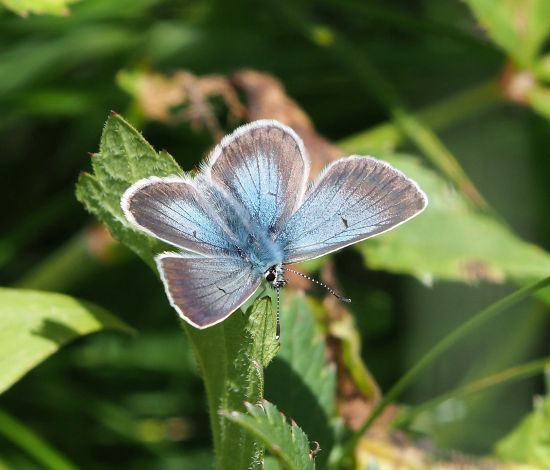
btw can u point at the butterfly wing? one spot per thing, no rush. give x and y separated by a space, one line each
264 167
174 210
210 283
206 290
352 200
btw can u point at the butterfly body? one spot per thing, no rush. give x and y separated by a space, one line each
251 240
249 213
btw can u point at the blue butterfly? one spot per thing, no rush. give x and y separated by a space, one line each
249 212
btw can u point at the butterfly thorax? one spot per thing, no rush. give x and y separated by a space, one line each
261 252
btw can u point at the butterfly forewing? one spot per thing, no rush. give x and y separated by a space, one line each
175 211
353 199
205 290
263 166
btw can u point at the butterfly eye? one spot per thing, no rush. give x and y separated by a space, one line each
270 276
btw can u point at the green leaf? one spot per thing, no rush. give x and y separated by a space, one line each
539 99
230 354
529 442
302 374
286 442
262 326
34 325
39 7
124 157
520 27
452 241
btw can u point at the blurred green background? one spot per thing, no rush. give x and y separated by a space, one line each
111 400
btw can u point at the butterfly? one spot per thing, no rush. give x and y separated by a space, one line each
249 212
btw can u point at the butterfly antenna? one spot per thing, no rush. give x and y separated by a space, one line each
278 315
332 291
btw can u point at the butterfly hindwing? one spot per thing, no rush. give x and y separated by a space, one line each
353 199
264 167
206 290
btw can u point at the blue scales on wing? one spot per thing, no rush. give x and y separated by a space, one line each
174 210
352 200
213 275
264 167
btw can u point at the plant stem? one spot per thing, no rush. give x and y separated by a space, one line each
32 443
436 351
509 375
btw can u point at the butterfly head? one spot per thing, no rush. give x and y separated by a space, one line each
275 276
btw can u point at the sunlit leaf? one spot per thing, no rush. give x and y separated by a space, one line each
39 7
530 442
34 325
286 442
124 157
520 27
539 99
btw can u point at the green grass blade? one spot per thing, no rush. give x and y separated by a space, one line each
430 357
33 444
509 375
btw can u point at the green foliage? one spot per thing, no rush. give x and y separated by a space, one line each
529 443
450 240
459 109
287 442
302 374
34 325
124 157
520 27
40 7
262 326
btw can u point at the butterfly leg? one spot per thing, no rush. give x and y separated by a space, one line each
278 315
